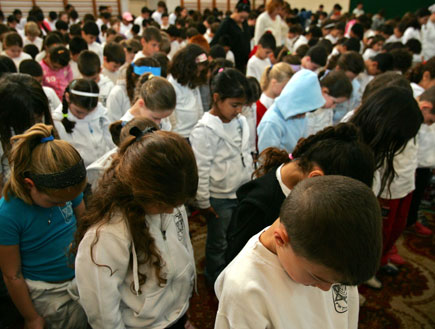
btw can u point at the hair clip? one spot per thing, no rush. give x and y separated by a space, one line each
136 132
290 156
65 115
150 76
47 139
221 70
201 58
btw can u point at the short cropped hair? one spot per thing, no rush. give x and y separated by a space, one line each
267 40
91 28
31 67
114 52
335 221
152 33
88 63
77 45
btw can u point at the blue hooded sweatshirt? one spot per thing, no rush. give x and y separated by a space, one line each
279 127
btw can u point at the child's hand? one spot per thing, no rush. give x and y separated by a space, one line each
36 323
208 212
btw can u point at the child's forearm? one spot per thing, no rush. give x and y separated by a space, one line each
19 293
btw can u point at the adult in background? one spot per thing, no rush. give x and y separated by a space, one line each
271 21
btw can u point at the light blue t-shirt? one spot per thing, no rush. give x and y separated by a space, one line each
43 234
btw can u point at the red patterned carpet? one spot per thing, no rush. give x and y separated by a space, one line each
406 301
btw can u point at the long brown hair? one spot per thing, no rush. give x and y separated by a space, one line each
157 168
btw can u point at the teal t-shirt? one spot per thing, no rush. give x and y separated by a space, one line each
44 236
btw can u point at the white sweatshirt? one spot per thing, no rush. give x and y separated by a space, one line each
105 85
90 136
118 102
223 157
112 300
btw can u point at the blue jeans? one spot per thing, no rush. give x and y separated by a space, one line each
216 243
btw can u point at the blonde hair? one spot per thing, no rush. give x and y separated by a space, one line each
157 93
280 72
32 29
28 154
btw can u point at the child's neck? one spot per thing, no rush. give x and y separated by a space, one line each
267 239
291 174
269 93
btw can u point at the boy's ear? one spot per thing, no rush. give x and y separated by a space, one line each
280 235
425 105
29 183
325 90
215 97
426 76
316 172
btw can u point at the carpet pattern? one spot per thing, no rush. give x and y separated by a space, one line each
406 301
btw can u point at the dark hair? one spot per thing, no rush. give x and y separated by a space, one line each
267 40
77 45
74 15
338 84
413 46
52 15
352 44
220 63
31 67
158 168
12 39
120 130
88 63
91 28
385 61
22 100
388 119
132 78
351 61
152 33
51 39
31 49
184 68
315 31
358 30
217 51
88 18
302 50
228 83
61 25
85 102
384 80
243 5
75 30
318 55
402 59
416 74
163 61
327 44
59 55
253 90
7 65
336 222
387 29
337 150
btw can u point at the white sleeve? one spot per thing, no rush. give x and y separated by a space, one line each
204 150
98 286
114 104
259 29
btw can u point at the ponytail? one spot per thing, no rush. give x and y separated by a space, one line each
120 130
269 159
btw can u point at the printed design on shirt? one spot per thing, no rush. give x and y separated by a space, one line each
179 223
67 212
339 297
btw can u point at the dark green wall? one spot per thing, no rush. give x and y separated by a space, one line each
393 8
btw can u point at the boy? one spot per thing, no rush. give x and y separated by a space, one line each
90 33
315 58
113 59
329 232
151 39
90 68
13 48
295 38
32 33
260 61
157 15
76 46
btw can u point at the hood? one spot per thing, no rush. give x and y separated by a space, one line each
301 94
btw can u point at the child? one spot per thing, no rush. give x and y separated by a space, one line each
52 39
76 46
315 58
41 201
422 77
285 122
82 121
89 66
295 38
260 61
13 48
57 72
336 150
151 39
328 236
375 46
114 58
90 33
272 83
33 68
134 265
32 33
122 96
220 141
189 69
249 111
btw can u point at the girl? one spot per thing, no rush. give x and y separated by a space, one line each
57 72
122 97
82 120
22 104
389 120
220 142
422 77
335 150
374 47
38 211
249 111
134 264
188 71
13 48
272 83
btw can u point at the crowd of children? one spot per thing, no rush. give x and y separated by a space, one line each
305 140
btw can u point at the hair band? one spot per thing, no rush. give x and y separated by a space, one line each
201 58
69 177
139 70
221 70
83 93
136 132
290 156
123 123
47 139
65 115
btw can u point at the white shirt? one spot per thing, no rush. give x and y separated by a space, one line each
256 67
428 42
319 119
37 42
411 33
285 190
75 69
157 16
19 59
97 48
117 102
277 26
53 99
266 100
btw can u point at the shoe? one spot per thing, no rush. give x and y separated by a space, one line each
389 269
419 228
374 283
362 299
397 259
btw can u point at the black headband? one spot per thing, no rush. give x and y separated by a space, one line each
70 177
136 132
